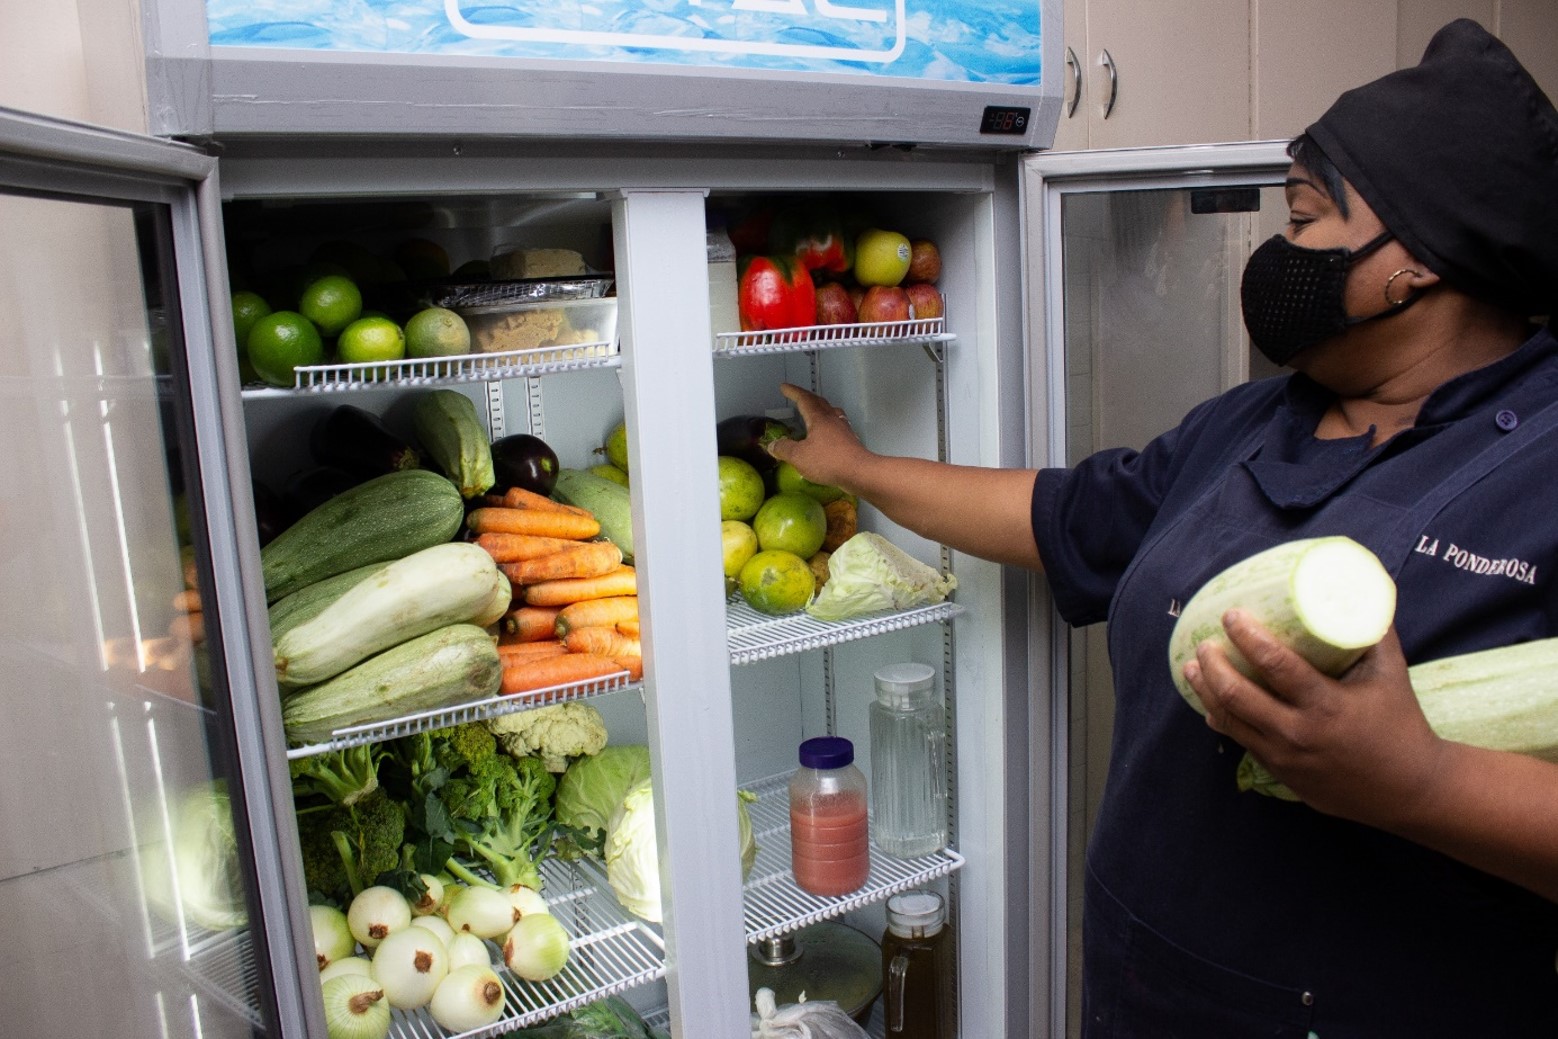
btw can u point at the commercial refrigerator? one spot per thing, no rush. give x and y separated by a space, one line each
1072 282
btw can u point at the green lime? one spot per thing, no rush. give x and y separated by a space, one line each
281 341
437 332
331 302
738 544
248 307
371 339
776 582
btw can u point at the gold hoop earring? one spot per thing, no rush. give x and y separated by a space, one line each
1391 280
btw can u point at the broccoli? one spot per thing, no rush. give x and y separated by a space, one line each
347 847
341 776
555 733
501 812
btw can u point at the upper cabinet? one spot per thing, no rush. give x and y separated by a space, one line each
1226 70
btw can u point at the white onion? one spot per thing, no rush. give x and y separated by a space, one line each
409 964
465 949
483 911
451 888
376 913
467 999
537 947
437 924
431 899
526 900
355 1008
332 938
347 965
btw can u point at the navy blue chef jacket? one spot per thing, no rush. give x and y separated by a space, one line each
1211 912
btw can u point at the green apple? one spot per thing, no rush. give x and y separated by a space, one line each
791 522
739 543
881 257
789 478
740 488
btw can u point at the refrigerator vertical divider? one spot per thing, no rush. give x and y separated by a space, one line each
668 378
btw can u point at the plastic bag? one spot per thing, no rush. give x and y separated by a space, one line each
822 1019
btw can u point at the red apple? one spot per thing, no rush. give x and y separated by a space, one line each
924 261
884 303
834 307
925 300
856 294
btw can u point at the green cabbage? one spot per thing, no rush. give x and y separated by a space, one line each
868 574
633 855
591 790
199 876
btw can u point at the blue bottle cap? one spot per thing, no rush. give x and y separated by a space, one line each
827 752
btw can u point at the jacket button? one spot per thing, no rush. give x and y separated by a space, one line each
1308 999
1506 420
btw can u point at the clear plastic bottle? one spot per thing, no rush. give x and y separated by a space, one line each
724 314
830 846
908 767
917 968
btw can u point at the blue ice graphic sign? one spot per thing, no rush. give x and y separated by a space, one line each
953 41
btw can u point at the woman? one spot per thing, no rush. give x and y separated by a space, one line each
1415 891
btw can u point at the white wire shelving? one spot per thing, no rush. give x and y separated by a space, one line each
433 371
824 337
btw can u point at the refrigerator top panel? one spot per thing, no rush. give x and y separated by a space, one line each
962 73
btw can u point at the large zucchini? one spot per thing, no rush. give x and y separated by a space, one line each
453 665
307 603
386 518
608 501
1329 598
446 584
452 435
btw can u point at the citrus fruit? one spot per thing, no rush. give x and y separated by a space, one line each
776 582
610 472
793 522
739 543
371 339
248 307
422 259
789 478
740 489
437 332
331 302
281 341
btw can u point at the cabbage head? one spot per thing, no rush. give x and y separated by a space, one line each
200 876
592 789
633 856
868 574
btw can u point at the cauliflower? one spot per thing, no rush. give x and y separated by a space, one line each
554 734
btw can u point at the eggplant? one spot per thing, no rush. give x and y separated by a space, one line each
526 461
310 488
747 437
270 517
359 442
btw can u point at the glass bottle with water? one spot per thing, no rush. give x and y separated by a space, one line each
908 763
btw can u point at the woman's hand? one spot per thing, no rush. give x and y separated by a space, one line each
830 453
1357 747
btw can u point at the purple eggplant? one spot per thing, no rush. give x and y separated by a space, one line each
747 437
358 441
526 461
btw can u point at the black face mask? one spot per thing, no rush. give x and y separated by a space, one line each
1293 297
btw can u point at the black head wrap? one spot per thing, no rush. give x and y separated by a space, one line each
1459 157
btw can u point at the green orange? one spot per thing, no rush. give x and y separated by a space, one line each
437 332
248 307
281 341
331 302
370 339
776 582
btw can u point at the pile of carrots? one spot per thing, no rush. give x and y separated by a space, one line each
575 613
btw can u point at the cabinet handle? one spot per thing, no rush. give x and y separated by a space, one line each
1107 61
1076 81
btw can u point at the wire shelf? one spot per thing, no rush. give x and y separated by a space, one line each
754 636
433 371
610 953
775 905
480 710
822 337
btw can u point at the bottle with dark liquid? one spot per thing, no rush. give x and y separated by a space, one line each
917 966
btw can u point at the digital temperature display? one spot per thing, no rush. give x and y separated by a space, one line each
1005 119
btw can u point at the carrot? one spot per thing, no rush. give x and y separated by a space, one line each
580 559
598 638
187 601
628 627
494 520
528 675
634 666
529 624
519 498
189 626
511 548
585 612
621 581
513 654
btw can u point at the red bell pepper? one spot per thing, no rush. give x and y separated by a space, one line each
775 292
815 236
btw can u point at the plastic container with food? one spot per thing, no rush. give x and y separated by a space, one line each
456 295
542 325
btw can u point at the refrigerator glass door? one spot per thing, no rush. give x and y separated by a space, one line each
1134 261
126 886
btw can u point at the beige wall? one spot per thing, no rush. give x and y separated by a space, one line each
74 59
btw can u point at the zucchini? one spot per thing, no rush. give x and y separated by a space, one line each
446 584
1329 598
608 501
386 518
306 603
453 665
1500 699
453 437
